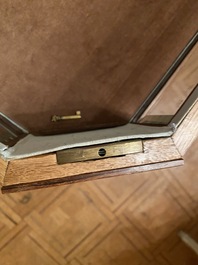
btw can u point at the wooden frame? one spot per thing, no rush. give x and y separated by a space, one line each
43 171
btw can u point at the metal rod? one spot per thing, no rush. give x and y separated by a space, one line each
190 242
164 79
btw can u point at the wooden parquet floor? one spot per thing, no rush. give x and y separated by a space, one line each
125 220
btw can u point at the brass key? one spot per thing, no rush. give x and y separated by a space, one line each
71 117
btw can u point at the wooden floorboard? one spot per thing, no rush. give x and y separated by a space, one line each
131 219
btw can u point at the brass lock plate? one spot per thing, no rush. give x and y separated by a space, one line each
99 151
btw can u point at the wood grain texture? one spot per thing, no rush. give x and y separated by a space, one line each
90 176
127 220
187 133
3 168
45 168
100 57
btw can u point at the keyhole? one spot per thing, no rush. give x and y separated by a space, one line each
102 152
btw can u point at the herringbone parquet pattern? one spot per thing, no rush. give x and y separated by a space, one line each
124 220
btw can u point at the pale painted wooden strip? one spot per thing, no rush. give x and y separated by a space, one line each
32 146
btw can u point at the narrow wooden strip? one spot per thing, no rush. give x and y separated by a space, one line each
43 168
47 248
19 228
188 131
3 168
13 216
90 176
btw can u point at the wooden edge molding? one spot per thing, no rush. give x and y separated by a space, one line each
187 132
43 171
3 170
90 176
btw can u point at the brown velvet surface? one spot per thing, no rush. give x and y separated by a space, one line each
101 57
